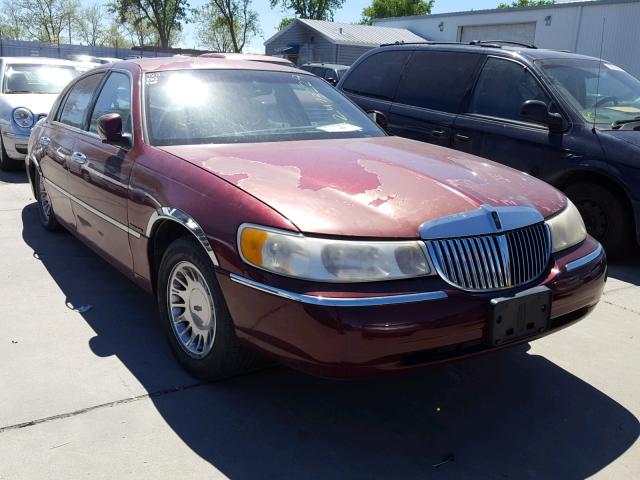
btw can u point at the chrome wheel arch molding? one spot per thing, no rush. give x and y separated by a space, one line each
184 219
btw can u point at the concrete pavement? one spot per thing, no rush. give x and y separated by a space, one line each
89 389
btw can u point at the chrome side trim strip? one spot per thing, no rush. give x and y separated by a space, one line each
179 216
581 262
340 302
92 210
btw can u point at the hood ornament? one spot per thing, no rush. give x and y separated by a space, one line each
485 220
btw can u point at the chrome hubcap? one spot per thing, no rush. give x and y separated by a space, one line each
45 203
191 309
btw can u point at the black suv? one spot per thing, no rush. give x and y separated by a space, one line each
331 72
571 120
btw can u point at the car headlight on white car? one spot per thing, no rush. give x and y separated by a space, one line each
328 260
23 117
567 228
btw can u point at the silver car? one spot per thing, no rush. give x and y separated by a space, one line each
29 87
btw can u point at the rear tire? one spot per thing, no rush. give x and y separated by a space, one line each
605 215
45 208
8 164
197 322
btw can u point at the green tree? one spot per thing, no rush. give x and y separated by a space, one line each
211 30
285 22
526 3
45 20
236 19
89 25
164 16
395 8
139 32
114 37
11 22
312 9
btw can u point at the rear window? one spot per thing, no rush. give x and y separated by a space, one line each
437 80
378 75
188 107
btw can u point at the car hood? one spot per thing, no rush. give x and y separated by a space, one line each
372 187
629 136
38 103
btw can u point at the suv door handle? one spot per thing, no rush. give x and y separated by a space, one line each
462 138
44 141
79 157
438 133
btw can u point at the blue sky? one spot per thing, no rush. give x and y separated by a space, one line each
349 13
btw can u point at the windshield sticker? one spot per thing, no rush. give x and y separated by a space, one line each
625 109
340 127
611 66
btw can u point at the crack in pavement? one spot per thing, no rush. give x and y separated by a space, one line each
612 304
124 401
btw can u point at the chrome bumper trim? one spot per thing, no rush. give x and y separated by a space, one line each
340 302
581 262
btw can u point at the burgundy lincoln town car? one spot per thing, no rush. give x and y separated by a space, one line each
268 213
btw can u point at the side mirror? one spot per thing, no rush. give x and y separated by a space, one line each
378 117
110 128
538 111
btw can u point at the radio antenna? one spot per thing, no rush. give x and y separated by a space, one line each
595 105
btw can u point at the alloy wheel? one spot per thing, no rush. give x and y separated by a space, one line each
191 309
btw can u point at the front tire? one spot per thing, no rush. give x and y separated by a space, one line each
195 316
605 215
7 164
45 208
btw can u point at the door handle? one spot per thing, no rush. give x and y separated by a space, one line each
44 141
438 133
79 157
462 138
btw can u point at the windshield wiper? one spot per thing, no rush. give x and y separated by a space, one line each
619 123
20 91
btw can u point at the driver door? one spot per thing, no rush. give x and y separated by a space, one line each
492 127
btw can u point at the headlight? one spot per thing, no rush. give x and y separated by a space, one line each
23 117
567 228
326 260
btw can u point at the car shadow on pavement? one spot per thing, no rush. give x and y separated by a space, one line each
627 270
506 415
19 176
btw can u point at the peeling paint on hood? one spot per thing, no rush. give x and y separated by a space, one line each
368 187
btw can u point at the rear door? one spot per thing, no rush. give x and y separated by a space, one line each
372 83
57 143
492 127
432 88
100 178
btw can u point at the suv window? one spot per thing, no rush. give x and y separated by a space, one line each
437 80
77 102
115 97
378 75
318 71
502 88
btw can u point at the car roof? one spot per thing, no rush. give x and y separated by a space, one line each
42 60
247 56
327 65
488 48
158 64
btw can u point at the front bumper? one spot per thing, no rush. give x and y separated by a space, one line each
371 333
15 145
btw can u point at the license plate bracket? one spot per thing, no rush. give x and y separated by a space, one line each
522 315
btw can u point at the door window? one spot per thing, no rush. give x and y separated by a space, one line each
378 75
115 97
75 108
437 80
502 89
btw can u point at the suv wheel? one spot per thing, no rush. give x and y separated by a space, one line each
605 216
47 217
197 322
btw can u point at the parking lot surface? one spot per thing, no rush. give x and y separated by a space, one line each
89 389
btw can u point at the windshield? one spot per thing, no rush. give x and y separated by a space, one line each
24 78
187 107
614 98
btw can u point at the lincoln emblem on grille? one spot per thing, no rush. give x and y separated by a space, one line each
491 248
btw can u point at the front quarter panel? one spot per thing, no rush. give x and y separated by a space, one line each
160 179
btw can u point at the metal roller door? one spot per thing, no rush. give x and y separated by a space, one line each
513 32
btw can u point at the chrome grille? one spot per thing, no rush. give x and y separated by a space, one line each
492 262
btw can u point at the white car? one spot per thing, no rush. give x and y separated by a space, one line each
29 87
